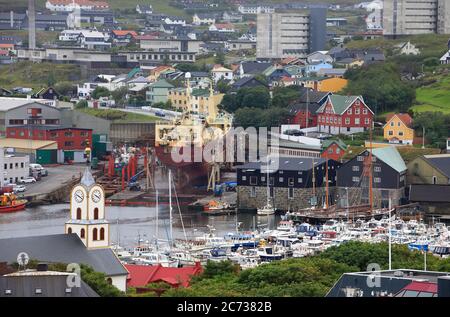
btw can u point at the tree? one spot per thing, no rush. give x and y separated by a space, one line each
119 95
220 58
257 97
65 88
81 104
437 127
100 92
381 87
223 86
283 96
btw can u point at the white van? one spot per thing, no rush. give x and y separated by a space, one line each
38 169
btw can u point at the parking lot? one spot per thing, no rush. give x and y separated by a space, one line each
56 176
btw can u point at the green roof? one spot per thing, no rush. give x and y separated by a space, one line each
162 84
341 103
200 92
391 157
339 142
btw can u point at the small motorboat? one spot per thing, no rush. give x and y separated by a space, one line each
267 210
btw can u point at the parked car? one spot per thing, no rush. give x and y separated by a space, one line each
28 180
19 188
160 113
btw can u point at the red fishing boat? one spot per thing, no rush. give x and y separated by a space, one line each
10 203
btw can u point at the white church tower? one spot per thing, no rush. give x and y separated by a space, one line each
87 213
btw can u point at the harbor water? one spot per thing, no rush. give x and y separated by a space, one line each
131 224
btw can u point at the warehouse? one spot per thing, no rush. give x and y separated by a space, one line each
40 151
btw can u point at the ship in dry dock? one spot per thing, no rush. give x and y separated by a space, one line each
180 143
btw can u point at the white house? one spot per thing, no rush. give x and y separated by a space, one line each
174 20
408 49
255 9
219 72
94 39
14 167
203 19
71 5
222 27
144 9
69 35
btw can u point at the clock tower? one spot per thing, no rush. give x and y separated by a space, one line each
87 213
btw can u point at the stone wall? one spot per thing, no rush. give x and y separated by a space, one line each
300 200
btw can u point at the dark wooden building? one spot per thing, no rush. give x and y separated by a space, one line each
388 178
293 185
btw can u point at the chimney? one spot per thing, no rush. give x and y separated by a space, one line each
31 24
42 267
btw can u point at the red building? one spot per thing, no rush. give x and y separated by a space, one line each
68 139
306 107
344 115
142 275
333 149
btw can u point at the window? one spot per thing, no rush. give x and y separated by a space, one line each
281 179
367 121
95 234
83 133
355 179
355 168
290 181
68 143
96 213
6 166
391 132
253 180
69 230
244 178
377 180
290 193
68 134
360 158
400 133
82 233
347 120
357 121
377 169
349 111
364 111
300 180
357 111
22 165
79 213
392 123
102 234
434 180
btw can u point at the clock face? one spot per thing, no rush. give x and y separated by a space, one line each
79 196
96 195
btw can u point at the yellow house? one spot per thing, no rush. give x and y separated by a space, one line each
398 129
202 100
332 84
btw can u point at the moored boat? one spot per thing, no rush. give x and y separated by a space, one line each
10 203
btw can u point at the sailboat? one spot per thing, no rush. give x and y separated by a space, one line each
268 209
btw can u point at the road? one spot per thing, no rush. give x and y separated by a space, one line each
56 176
169 115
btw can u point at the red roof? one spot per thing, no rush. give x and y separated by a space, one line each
11 46
404 117
146 37
124 32
422 287
141 275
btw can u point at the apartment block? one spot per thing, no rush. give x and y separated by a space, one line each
290 34
412 17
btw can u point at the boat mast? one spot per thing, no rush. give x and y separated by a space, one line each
370 168
326 185
157 218
267 182
170 209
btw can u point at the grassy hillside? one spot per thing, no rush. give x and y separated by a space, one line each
431 45
158 5
434 97
27 74
118 116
